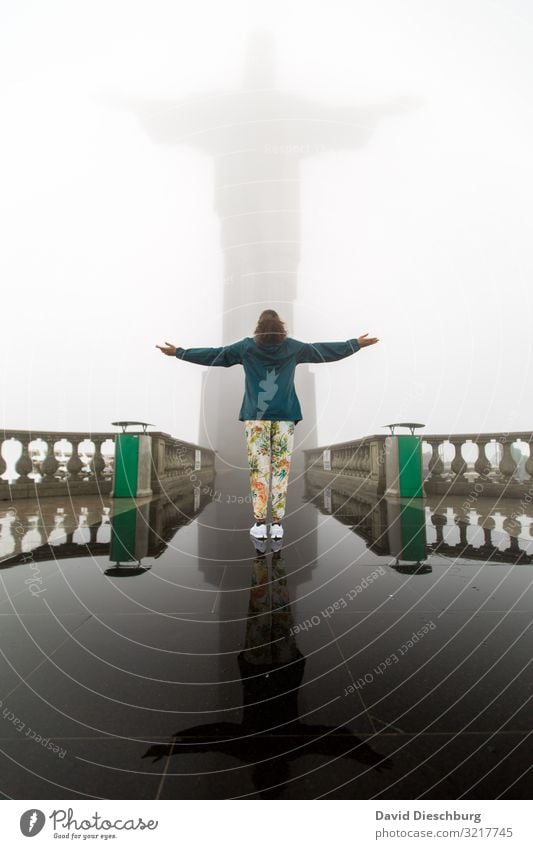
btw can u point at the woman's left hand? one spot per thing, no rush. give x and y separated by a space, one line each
168 349
365 340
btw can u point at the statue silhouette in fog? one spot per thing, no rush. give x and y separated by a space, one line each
257 138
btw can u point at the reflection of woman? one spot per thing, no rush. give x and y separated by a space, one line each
271 736
270 408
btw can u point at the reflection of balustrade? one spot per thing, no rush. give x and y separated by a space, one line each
493 530
32 533
363 462
59 462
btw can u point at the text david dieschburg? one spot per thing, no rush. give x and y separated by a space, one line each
424 815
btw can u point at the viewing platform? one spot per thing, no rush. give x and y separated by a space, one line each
152 649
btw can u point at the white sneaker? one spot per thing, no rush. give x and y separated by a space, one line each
276 530
259 531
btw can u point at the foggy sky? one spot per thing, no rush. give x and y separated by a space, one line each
421 236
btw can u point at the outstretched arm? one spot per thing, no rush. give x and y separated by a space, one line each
327 352
226 355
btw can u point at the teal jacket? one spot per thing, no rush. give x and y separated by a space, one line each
269 392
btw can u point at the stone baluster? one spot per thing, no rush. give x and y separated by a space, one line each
341 460
350 462
110 460
74 463
183 460
50 464
482 466
458 464
508 465
3 464
173 460
435 465
24 465
529 461
98 462
167 469
367 460
346 459
360 459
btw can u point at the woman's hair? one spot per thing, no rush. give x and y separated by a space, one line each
270 329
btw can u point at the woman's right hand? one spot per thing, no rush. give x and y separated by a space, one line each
168 349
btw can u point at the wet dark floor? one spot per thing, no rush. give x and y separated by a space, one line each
383 651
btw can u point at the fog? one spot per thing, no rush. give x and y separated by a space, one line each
408 216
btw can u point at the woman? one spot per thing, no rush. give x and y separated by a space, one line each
270 408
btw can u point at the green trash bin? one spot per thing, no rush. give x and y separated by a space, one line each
133 463
403 462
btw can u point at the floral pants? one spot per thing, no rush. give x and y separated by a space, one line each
269 445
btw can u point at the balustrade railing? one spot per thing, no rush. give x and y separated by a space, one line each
361 460
486 464
43 463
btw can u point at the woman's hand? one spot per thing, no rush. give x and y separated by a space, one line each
168 349
366 340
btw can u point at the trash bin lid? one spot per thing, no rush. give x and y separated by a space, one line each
125 424
410 425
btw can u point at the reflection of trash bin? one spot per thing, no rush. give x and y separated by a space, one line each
406 530
129 534
133 463
403 462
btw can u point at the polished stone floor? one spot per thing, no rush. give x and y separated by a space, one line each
383 651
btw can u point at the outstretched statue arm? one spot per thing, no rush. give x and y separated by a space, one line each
346 126
185 121
226 355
